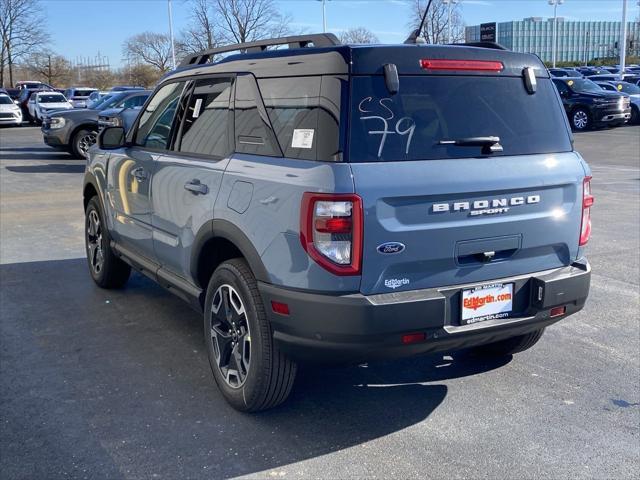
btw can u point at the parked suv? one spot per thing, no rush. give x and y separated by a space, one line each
587 105
79 96
75 130
334 203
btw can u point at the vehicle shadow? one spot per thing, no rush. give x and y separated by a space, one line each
127 375
49 168
51 155
27 149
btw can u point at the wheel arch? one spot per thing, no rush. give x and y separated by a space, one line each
90 189
82 126
217 241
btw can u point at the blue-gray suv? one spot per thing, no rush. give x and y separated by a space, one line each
338 203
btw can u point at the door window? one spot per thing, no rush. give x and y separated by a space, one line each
156 121
205 129
135 101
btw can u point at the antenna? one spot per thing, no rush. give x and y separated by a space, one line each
413 38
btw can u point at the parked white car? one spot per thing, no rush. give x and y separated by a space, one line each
42 103
10 113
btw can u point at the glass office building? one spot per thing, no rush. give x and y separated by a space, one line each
577 41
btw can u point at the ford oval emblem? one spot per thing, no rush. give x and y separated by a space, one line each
391 247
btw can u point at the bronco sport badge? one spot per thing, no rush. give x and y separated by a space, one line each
485 207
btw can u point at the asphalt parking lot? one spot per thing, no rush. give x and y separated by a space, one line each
116 384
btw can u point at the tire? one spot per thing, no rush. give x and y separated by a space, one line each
635 115
81 141
106 269
236 327
581 119
511 345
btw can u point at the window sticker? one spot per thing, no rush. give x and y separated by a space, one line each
570 82
196 108
302 138
619 86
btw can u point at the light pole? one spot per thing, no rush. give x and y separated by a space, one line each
554 47
324 15
173 48
449 3
623 38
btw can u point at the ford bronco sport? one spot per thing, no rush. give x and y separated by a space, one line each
330 203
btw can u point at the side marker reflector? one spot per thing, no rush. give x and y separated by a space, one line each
410 338
557 311
281 308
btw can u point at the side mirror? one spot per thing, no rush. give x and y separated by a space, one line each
111 138
16 102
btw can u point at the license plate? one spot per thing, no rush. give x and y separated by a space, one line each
487 302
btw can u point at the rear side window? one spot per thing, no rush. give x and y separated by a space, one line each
252 128
205 129
304 113
156 121
82 93
431 109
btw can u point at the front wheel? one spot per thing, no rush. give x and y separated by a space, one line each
82 141
635 115
580 119
248 367
511 345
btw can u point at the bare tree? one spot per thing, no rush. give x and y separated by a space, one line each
49 67
201 32
215 22
139 75
22 32
358 35
436 26
149 48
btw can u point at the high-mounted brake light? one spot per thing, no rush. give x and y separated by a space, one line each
587 202
331 231
467 65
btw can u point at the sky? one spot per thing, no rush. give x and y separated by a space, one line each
86 28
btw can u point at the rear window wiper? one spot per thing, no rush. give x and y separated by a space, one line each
489 144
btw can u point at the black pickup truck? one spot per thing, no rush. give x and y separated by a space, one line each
587 105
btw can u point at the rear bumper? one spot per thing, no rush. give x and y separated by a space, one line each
333 328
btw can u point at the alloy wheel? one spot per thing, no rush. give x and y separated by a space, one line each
85 142
230 336
94 242
580 119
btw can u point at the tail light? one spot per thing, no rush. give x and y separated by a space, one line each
331 231
466 65
587 202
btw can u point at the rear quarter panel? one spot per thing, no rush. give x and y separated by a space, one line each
270 218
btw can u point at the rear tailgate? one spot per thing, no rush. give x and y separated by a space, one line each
467 171
429 207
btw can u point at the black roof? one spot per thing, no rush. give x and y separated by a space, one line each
329 57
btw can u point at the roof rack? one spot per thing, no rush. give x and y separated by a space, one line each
298 41
494 45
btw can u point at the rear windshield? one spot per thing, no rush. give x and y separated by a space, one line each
51 98
82 93
410 124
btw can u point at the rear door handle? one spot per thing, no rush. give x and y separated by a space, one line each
197 188
139 174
